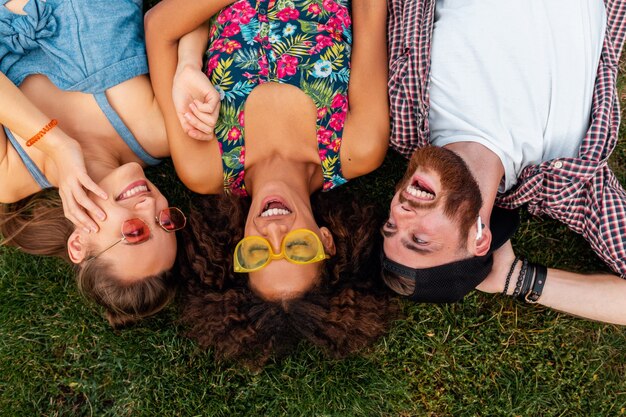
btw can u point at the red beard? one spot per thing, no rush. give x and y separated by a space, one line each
459 190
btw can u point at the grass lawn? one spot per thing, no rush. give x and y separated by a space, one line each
487 356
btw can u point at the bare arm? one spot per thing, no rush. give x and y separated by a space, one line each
366 136
600 297
25 120
165 25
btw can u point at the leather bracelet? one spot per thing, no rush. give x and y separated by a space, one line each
508 276
540 280
529 280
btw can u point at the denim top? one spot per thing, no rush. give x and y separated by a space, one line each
80 45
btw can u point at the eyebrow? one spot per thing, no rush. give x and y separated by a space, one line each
417 249
406 243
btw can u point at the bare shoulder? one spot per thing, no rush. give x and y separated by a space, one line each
134 102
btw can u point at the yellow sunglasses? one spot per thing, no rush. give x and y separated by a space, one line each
300 246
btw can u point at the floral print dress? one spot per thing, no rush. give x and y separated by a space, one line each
305 43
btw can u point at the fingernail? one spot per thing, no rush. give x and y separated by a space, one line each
187 116
101 216
86 230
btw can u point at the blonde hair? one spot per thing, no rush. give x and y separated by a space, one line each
37 225
125 303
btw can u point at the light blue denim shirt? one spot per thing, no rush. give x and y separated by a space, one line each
80 45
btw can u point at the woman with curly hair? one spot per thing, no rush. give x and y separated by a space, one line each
347 309
76 189
315 109
301 108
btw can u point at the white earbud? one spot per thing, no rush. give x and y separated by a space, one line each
479 228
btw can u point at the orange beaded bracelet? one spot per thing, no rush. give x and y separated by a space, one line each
42 132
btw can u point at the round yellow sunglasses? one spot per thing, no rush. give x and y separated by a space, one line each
300 246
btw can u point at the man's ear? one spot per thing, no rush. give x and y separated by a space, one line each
76 248
328 241
481 242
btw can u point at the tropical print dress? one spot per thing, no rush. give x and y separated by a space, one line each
305 43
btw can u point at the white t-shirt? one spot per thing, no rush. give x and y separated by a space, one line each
516 76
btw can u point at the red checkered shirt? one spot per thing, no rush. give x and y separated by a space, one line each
581 192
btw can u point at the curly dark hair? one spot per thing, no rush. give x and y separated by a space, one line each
349 309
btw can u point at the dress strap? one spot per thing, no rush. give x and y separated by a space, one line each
123 131
34 170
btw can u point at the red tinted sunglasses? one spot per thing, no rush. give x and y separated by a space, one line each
136 231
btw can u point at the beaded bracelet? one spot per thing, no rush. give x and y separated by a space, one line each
520 279
508 276
42 132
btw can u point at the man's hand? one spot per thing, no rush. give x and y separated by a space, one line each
503 257
196 101
73 181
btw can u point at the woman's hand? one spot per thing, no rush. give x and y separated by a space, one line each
196 101
73 180
19 114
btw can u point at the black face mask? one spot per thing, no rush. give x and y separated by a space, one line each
449 283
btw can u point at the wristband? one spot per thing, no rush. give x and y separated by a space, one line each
528 282
537 288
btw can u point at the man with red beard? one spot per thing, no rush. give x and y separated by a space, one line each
503 104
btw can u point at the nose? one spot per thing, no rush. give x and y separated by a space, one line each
404 211
146 205
274 232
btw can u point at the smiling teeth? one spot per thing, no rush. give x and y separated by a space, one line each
133 191
416 192
275 212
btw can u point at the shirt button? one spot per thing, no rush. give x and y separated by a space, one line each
262 10
558 164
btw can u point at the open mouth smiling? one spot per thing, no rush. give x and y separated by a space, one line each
419 190
133 189
275 208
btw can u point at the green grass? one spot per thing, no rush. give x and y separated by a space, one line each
487 356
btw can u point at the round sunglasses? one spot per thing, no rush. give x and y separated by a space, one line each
300 246
135 231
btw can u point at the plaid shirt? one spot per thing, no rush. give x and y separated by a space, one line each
581 192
